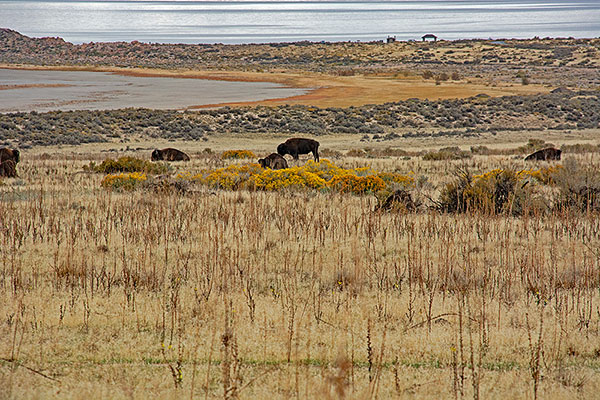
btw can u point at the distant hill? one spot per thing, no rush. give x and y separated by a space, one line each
502 59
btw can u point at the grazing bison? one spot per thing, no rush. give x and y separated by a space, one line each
296 146
8 168
9 154
273 161
8 162
169 154
545 154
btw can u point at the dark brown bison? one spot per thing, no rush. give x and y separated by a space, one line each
8 168
8 162
9 154
169 154
545 154
297 146
273 161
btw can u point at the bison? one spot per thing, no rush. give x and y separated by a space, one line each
273 161
8 169
8 162
169 154
9 154
545 154
297 146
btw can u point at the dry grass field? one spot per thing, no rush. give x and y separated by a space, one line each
289 294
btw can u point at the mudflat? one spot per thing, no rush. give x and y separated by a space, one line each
45 90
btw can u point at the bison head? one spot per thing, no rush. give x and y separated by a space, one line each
156 155
9 154
262 162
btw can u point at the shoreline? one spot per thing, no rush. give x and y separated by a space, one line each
323 90
33 85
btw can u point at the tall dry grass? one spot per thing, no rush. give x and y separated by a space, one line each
220 294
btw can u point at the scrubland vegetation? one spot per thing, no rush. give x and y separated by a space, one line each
241 292
561 110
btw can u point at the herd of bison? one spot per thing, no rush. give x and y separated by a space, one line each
294 146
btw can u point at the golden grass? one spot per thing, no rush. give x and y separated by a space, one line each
294 294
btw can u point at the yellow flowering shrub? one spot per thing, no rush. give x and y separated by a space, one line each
123 181
324 169
323 175
127 164
293 178
404 181
490 191
543 175
237 154
231 178
349 183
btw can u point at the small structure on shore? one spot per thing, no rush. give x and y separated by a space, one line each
390 39
429 36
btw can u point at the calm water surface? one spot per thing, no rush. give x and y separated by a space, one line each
243 21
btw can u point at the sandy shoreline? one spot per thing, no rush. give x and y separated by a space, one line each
324 90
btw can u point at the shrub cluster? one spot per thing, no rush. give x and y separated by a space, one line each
570 187
233 177
237 154
495 192
127 164
323 175
558 110
124 181
504 191
447 153
578 187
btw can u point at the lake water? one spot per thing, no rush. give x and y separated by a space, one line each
243 21
81 90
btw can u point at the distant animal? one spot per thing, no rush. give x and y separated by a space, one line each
8 162
9 154
295 146
8 168
549 153
169 154
273 161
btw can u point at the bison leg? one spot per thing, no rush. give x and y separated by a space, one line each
316 154
8 169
